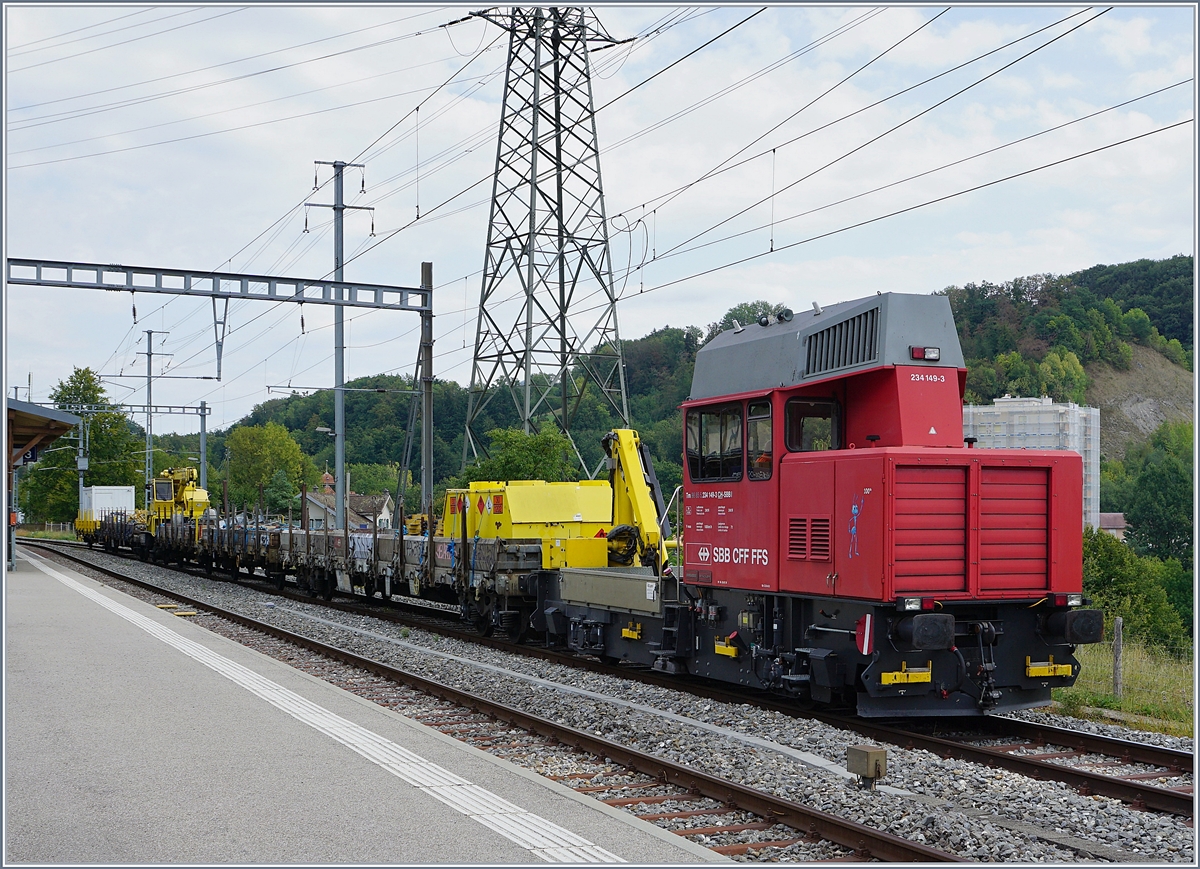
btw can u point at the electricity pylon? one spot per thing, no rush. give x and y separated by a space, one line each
547 322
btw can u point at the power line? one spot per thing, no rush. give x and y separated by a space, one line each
934 201
210 133
869 106
925 173
217 65
486 132
13 53
675 63
766 70
892 129
812 102
474 184
74 114
236 109
86 27
278 222
127 41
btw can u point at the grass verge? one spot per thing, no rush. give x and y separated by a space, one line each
1157 685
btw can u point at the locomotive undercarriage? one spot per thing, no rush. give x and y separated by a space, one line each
960 660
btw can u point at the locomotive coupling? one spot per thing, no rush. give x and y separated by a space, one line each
928 631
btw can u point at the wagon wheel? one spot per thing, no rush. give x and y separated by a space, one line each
279 577
516 629
327 585
478 611
208 566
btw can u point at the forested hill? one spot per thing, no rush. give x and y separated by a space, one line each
1027 336
1035 335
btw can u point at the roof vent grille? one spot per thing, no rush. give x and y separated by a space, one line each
854 341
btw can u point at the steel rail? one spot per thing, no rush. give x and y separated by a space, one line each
1094 743
862 839
1136 793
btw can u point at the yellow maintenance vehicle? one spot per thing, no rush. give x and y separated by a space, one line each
176 495
555 557
169 524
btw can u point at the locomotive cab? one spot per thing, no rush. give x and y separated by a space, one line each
842 542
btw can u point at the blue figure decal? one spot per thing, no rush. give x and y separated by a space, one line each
855 508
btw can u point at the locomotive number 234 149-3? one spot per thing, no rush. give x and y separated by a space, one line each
929 378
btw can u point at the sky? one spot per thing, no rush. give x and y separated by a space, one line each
185 137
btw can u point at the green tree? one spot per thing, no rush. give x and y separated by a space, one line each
1123 584
373 478
279 494
746 314
1062 377
1178 582
49 490
1159 514
514 455
1020 379
1115 486
255 453
1137 322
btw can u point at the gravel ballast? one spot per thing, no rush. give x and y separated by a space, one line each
977 812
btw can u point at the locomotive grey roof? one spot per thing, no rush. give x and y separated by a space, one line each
842 338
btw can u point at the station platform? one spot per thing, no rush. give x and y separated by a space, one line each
134 736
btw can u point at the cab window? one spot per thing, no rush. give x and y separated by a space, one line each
812 424
162 490
714 443
758 440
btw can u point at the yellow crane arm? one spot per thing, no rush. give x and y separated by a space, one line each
637 500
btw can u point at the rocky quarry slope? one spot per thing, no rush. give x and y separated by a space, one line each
1135 402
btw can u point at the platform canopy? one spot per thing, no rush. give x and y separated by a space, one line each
32 427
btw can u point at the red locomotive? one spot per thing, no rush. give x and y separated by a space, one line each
844 544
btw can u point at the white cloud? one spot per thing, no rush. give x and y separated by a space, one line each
200 203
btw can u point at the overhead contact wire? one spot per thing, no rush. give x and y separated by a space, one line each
893 129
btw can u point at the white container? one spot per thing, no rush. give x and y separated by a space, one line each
99 501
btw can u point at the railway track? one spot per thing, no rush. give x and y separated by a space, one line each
1038 751
640 779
